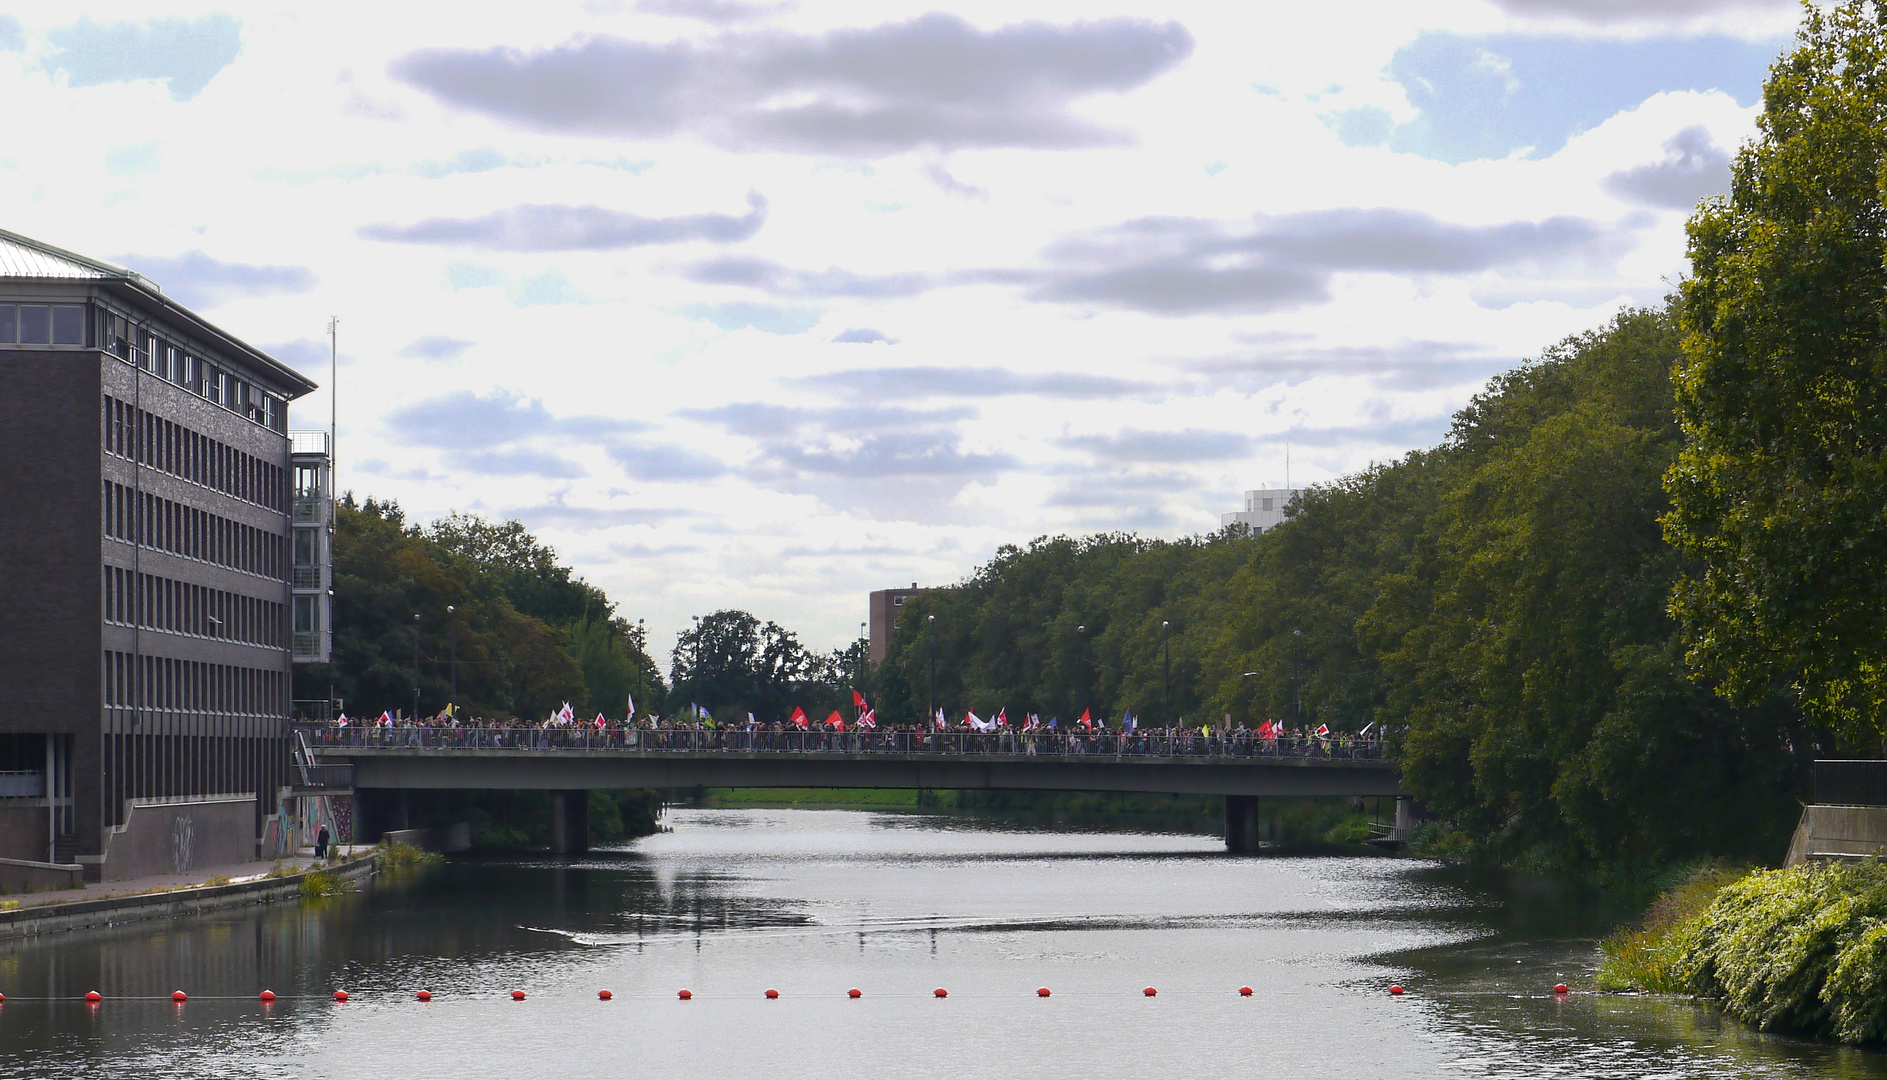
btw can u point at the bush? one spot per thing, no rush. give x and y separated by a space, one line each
1645 957
393 856
319 883
220 879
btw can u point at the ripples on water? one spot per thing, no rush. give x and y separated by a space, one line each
812 902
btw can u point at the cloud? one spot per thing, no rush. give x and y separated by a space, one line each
1182 266
187 53
436 348
666 462
306 355
556 514
519 462
196 280
862 335
1489 96
935 81
573 228
712 11
1121 489
767 318
891 454
139 160
1411 365
463 420
1693 166
1164 446
759 419
863 442
893 383
783 281
1619 11
12 34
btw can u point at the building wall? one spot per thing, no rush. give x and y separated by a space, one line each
49 561
885 607
1264 509
177 838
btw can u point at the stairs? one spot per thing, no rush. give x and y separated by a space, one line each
65 850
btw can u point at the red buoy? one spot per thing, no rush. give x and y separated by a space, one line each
772 994
3 998
854 992
424 995
1041 991
179 995
340 995
941 992
604 995
1395 990
686 994
1561 988
1244 991
267 995
1149 991
94 996
517 995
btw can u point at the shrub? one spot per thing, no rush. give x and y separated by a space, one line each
319 883
393 856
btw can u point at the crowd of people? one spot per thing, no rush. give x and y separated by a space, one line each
860 734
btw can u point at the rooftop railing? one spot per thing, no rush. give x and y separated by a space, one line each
585 737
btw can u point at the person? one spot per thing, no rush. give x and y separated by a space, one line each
321 843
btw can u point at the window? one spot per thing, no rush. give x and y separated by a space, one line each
35 324
1267 504
68 324
307 481
897 601
9 323
307 546
191 380
305 615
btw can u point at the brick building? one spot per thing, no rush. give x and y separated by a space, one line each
147 558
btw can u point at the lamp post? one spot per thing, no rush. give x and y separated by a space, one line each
1081 675
930 626
1166 637
1297 694
452 627
416 667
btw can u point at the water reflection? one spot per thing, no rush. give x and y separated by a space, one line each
812 903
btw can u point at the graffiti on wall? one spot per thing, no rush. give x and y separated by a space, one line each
183 843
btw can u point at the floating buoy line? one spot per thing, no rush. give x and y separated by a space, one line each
1560 991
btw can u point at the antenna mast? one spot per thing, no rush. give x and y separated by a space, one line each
334 393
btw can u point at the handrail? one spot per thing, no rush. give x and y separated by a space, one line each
583 737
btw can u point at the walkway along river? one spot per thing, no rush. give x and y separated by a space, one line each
814 903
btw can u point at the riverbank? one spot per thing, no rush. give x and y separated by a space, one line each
167 896
1801 951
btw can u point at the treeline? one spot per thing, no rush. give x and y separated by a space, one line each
527 632
1497 603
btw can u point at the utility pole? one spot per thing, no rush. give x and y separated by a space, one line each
1081 673
1297 693
930 623
332 494
416 667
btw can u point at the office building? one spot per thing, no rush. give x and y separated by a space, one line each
152 585
886 605
1264 509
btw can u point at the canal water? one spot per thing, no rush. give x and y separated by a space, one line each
731 903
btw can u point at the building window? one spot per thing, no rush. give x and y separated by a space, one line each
305 615
307 546
35 324
897 601
1267 504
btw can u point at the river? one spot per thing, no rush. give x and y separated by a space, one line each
731 903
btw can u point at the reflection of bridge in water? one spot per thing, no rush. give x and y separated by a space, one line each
384 764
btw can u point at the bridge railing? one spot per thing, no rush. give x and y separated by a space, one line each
724 740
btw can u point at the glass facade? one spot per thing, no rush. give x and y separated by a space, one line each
42 324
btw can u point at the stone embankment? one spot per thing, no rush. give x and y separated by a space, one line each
190 900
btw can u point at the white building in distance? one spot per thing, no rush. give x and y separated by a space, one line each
1264 509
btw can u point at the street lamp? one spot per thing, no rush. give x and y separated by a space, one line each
1166 636
930 626
416 667
452 626
1081 675
1297 694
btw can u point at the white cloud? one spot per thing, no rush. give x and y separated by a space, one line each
968 313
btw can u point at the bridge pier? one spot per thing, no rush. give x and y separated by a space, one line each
1241 824
569 822
1409 816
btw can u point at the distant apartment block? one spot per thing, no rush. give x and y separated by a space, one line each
886 606
1264 509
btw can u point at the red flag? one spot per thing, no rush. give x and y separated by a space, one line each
799 717
600 722
858 700
1002 717
1323 731
869 721
835 721
1086 720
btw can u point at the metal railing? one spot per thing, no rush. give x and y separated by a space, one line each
307 510
305 577
735 740
22 784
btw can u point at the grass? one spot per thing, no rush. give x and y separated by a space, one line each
394 856
220 879
1650 956
321 883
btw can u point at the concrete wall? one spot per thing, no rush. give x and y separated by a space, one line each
175 838
31 876
1838 832
22 831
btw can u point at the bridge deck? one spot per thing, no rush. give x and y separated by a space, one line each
531 768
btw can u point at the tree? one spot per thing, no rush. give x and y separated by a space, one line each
1778 495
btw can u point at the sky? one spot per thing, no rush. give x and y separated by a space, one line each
767 304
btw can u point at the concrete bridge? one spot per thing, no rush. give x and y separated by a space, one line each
383 765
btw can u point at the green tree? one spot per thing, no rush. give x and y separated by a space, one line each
1777 497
